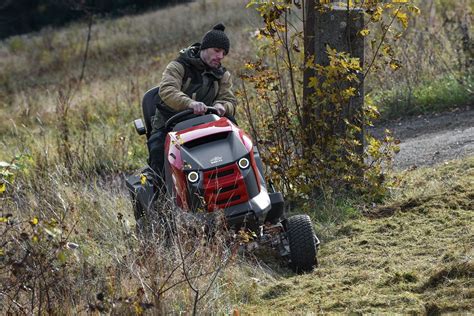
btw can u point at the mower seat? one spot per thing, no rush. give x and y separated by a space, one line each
149 102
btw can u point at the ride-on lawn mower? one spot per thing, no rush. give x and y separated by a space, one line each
212 166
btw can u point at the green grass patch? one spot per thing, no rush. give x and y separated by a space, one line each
428 97
329 213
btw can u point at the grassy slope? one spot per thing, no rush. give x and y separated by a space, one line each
126 58
414 254
42 106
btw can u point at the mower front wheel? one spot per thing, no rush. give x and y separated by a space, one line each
303 243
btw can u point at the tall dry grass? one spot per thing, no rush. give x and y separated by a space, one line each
70 242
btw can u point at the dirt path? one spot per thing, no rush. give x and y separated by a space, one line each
432 139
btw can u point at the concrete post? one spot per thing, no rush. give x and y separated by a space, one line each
309 48
338 28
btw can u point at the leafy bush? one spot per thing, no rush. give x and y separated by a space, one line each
316 144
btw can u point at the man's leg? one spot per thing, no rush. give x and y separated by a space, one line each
156 148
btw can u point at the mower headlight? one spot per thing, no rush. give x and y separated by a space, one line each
244 163
193 177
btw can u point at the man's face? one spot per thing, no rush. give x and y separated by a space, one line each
213 56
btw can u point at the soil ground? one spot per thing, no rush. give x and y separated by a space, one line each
432 139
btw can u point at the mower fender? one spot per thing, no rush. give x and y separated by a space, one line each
277 210
259 164
140 186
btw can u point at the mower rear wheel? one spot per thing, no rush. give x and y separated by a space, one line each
303 243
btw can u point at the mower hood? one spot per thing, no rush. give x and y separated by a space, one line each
209 145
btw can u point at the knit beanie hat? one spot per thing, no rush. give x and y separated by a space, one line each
216 38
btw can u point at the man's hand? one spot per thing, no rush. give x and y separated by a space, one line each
198 107
220 108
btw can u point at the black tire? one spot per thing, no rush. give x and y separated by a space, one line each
303 243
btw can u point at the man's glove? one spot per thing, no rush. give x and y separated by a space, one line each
198 107
220 108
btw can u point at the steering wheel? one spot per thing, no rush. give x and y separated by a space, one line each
175 119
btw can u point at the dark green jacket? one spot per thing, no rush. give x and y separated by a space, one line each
188 79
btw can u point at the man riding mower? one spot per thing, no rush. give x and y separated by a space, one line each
207 164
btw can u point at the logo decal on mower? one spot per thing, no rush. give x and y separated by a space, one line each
215 160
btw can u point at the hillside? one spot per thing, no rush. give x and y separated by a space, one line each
68 241
411 255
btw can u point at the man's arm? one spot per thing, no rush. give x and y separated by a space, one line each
170 87
226 96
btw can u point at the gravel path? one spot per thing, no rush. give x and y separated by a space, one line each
432 139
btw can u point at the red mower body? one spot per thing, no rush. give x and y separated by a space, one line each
225 171
211 165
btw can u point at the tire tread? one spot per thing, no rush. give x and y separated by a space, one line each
303 245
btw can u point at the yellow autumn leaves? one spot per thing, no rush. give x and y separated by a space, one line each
34 221
8 170
143 179
6 175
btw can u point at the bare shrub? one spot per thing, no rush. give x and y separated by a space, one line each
79 253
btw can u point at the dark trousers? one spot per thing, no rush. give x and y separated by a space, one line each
156 148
